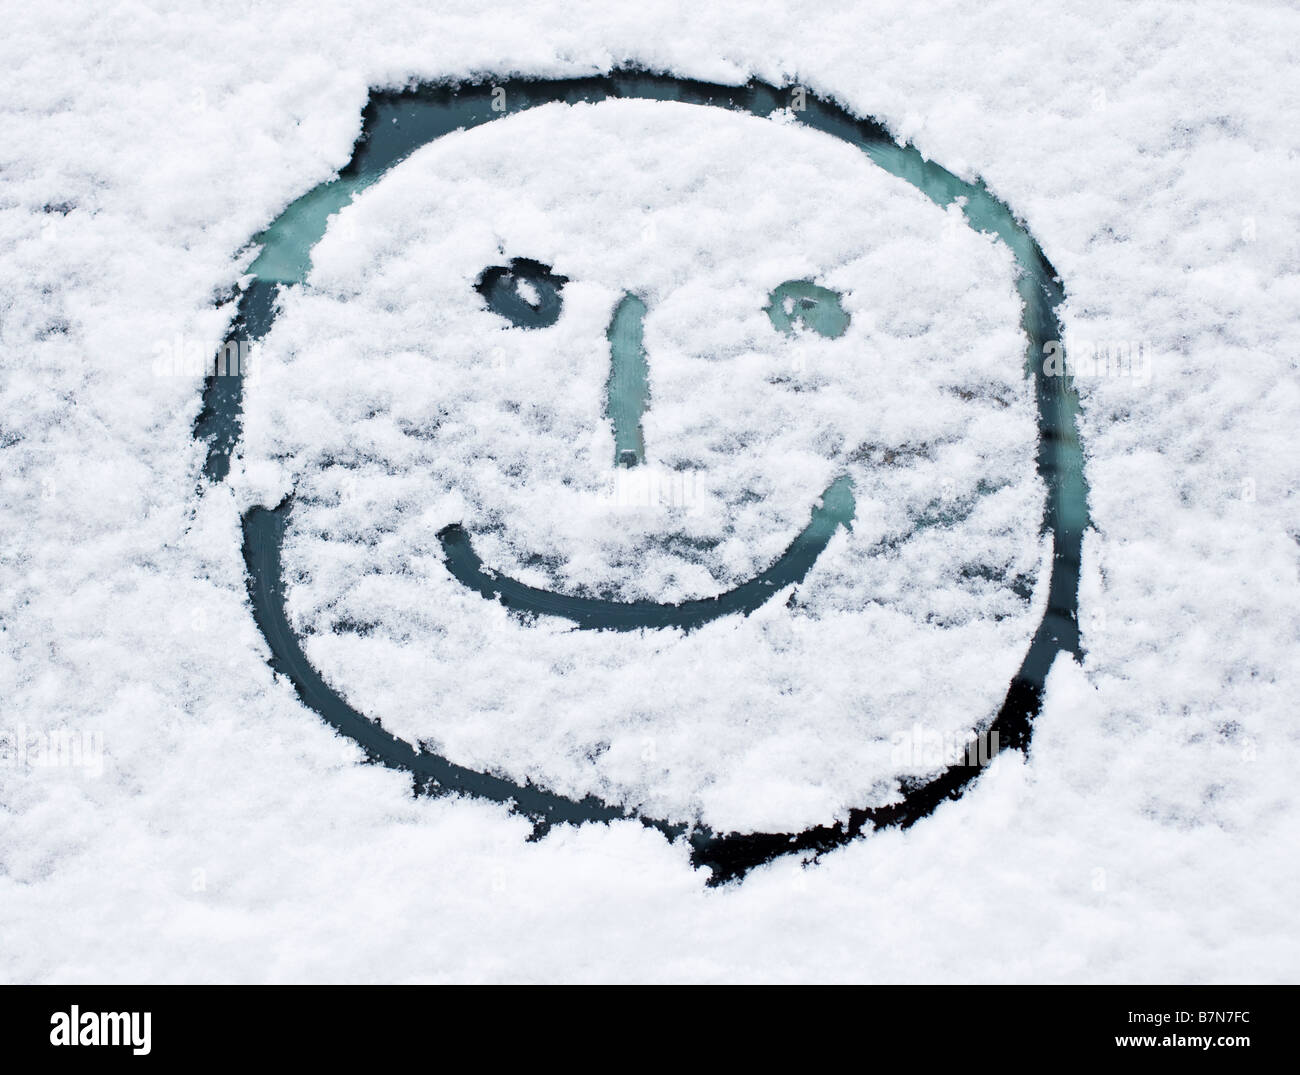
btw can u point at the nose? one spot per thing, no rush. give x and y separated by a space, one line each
628 391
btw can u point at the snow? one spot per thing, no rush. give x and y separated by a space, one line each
231 836
398 404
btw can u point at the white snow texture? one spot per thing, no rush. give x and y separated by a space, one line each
214 829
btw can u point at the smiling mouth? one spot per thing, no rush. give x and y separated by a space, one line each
627 398
835 509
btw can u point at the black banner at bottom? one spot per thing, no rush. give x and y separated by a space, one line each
333 1024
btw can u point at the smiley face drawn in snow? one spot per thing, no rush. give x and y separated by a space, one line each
706 487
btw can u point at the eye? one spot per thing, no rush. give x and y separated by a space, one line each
801 302
525 292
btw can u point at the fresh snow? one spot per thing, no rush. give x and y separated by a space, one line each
228 835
